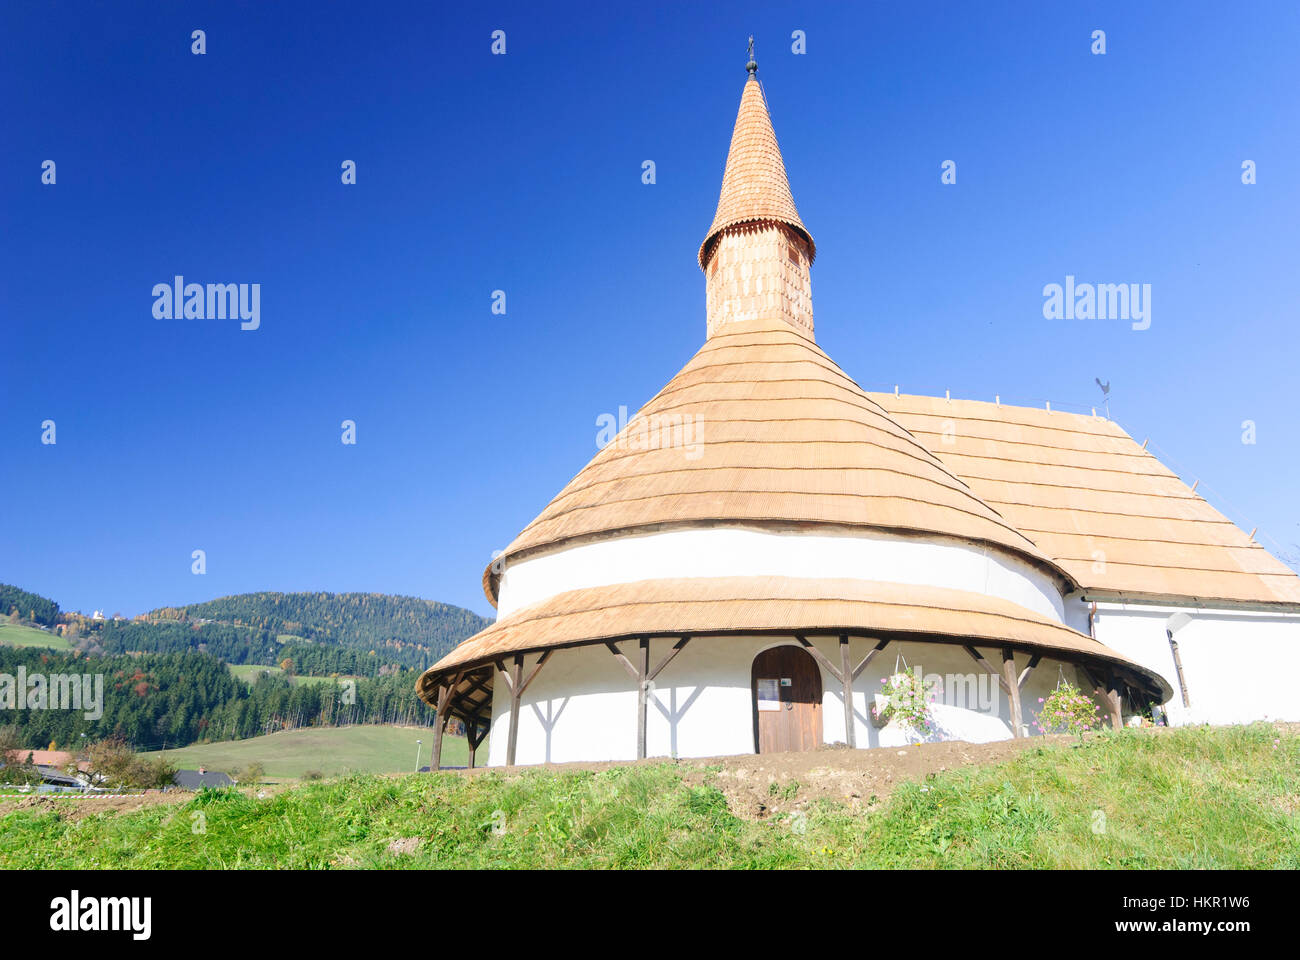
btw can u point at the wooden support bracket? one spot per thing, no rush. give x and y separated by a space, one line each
475 732
668 657
546 655
821 658
1024 674
627 664
979 658
862 664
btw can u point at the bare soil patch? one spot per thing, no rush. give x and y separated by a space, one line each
857 778
78 808
760 785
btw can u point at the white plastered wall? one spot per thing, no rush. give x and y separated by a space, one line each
582 704
1240 665
747 552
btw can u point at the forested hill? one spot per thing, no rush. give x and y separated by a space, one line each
405 630
167 676
23 604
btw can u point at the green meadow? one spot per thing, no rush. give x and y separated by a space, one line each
1189 798
329 751
249 672
18 635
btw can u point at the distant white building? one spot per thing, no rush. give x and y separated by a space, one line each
765 542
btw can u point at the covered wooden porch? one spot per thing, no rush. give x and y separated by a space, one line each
467 692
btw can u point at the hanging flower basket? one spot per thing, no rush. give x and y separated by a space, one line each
1068 710
905 703
878 718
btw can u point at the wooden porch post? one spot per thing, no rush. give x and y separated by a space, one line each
846 683
1110 693
516 694
1011 684
643 675
517 684
440 724
1007 680
844 675
1114 700
643 681
482 734
476 733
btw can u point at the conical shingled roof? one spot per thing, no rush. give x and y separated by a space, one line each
754 186
771 431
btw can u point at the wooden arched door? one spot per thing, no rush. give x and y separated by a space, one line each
786 689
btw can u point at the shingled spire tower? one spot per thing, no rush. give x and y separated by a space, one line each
757 254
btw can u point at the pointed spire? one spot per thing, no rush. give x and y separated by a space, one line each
754 186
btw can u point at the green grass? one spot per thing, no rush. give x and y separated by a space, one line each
1192 798
17 635
249 672
298 681
331 751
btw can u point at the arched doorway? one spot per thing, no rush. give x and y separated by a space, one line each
786 689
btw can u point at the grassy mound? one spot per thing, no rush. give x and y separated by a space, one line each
1215 798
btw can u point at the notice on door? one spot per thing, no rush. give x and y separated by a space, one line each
769 694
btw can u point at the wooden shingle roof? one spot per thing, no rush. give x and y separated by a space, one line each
781 435
703 606
1105 509
754 184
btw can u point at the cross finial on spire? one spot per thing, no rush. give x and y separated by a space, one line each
752 66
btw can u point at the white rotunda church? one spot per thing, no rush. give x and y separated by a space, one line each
765 542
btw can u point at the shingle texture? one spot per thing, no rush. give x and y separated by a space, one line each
762 426
712 605
1106 510
754 185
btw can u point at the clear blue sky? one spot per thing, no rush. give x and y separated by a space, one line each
523 173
